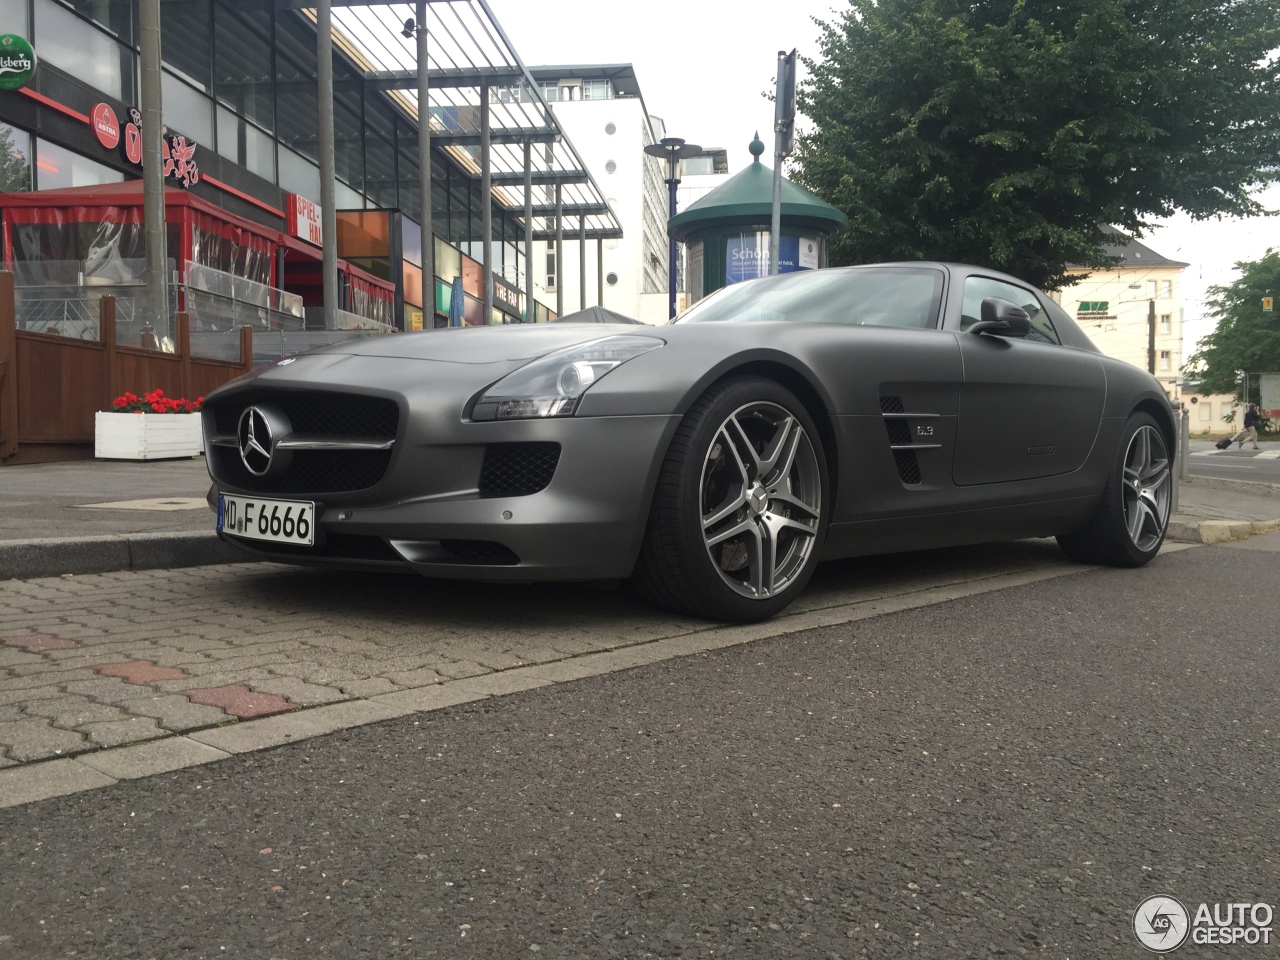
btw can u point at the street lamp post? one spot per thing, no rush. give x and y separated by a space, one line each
416 28
675 150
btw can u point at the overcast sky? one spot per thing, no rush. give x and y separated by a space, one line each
703 68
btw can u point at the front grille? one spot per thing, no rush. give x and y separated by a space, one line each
319 412
517 469
479 552
316 414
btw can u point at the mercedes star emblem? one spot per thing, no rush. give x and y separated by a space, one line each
254 434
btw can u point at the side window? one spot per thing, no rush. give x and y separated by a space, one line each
977 289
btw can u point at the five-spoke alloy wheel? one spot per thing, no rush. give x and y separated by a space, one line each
1147 488
740 512
1129 524
761 499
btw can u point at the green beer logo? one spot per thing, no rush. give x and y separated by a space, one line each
17 62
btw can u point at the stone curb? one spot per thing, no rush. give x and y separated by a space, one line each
1239 486
53 556
1219 531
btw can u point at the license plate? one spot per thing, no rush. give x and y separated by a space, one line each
256 518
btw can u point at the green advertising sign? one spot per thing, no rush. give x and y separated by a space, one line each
17 62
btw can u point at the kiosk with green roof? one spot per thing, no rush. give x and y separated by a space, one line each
726 233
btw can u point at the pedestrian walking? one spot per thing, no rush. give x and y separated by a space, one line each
1252 420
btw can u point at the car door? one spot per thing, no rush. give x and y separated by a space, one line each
1029 407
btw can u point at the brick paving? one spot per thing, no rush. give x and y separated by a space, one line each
97 661
140 672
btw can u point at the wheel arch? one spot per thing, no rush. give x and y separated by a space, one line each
1160 412
805 391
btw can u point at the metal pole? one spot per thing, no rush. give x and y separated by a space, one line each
559 251
486 193
1184 470
600 271
582 262
328 200
775 213
424 177
1151 337
153 164
530 314
672 182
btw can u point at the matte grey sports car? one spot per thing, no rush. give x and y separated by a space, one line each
715 461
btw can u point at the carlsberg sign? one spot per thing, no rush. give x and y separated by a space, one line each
17 62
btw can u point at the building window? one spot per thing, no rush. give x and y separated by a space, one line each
13 14
550 92
1164 360
610 129
1166 289
58 167
595 90
185 110
551 269
1166 322
611 279
1206 411
610 167
84 51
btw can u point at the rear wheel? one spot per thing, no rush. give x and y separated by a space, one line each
1131 519
741 507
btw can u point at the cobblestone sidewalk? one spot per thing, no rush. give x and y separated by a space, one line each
99 661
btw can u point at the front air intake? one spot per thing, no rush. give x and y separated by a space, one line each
517 469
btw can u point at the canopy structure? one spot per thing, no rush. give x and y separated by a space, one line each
747 198
596 315
472 63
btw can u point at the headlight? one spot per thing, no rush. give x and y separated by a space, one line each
551 386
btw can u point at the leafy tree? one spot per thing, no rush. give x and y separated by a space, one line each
15 169
1246 338
1004 132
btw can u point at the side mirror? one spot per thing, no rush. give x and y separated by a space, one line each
1002 318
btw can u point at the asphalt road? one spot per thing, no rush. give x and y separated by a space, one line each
1238 464
1004 775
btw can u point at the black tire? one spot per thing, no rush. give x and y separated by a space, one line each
1131 519
702 478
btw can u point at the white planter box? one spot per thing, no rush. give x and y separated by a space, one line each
147 436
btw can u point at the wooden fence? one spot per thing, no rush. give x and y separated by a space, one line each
51 386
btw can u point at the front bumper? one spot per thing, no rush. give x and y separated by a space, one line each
428 514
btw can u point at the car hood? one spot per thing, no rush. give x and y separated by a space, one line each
482 344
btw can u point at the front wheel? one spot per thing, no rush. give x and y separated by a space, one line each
740 512
1131 519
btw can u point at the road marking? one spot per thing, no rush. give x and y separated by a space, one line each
1206 453
1268 455
158 503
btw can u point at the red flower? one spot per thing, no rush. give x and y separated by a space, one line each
154 401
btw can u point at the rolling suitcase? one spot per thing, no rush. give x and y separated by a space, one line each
1222 444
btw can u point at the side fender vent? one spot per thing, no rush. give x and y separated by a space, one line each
899 431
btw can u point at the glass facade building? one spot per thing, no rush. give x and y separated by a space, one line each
239 80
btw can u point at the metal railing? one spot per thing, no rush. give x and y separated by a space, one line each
244 291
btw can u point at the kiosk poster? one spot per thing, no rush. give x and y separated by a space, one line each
746 256
1270 386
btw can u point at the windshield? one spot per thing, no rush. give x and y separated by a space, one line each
875 296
